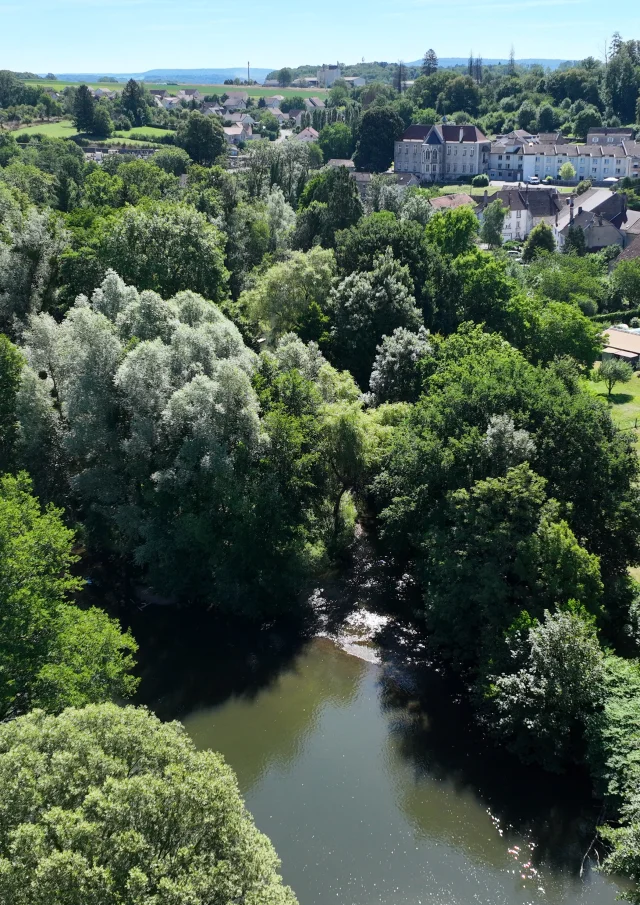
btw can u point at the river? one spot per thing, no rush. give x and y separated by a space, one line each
370 778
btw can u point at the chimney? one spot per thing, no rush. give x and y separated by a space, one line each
486 195
579 210
571 211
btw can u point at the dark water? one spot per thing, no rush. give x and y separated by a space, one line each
372 780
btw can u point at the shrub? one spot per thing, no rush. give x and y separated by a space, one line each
583 186
480 181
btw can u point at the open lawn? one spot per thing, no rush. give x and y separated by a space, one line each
624 403
252 90
63 129
491 189
141 131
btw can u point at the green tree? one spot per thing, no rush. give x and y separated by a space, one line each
452 232
620 88
379 129
546 118
202 137
567 172
612 371
397 370
166 247
11 364
367 306
53 654
136 792
539 241
83 109
575 243
461 93
336 141
625 279
285 77
429 63
589 118
172 160
492 223
134 103
102 125
542 710
293 295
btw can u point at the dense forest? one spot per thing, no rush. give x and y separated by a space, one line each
208 378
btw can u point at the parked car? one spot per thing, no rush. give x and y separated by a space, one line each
533 180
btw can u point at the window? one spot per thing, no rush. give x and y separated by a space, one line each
499 156
434 168
464 153
537 160
610 140
448 150
520 158
448 168
456 152
472 152
508 156
594 140
464 168
518 216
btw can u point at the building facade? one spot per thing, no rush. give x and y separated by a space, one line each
442 153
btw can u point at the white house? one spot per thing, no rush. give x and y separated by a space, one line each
307 135
274 101
518 161
354 81
525 208
236 100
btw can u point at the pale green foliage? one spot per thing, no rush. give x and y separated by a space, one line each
542 709
492 223
108 805
567 171
612 371
282 297
27 266
396 374
281 218
507 446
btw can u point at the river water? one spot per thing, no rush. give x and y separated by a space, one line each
370 778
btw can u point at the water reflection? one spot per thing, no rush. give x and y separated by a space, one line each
372 782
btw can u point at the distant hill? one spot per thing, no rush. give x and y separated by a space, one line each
446 62
183 76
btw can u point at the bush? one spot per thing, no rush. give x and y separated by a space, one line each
583 186
480 181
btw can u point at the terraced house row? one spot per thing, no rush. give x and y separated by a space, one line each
445 153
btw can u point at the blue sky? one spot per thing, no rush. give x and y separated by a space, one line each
136 35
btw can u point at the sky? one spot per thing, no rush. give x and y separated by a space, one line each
137 35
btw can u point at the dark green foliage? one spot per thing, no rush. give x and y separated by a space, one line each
330 202
202 137
539 241
53 655
575 243
133 102
83 110
336 140
11 364
379 128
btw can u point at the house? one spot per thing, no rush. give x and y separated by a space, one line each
279 115
451 202
442 152
362 181
237 133
622 343
272 83
306 82
631 252
236 100
327 75
190 94
274 102
245 119
314 103
306 135
600 218
609 136
336 163
216 110
297 116
631 227
525 208
158 92
170 102
103 92
406 180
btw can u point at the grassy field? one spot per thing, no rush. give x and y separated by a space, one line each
63 129
139 131
491 189
252 90
624 403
